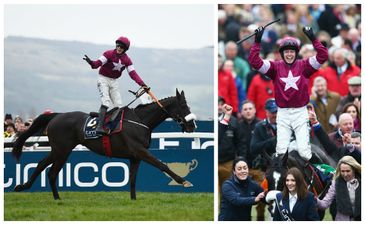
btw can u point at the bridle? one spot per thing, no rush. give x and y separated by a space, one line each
181 120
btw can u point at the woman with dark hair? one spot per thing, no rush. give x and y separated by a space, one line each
346 189
354 111
295 202
239 193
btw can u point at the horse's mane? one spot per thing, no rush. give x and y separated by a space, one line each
140 106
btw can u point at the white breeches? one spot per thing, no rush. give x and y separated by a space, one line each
109 92
295 120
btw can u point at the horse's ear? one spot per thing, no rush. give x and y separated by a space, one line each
182 94
178 95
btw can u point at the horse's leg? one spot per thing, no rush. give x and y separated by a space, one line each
149 158
53 174
134 164
40 167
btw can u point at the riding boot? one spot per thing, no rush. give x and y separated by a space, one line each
100 128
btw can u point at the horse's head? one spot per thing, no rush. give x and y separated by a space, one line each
181 113
276 171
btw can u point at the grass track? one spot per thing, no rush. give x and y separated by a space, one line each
108 206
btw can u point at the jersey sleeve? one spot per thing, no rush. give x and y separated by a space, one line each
315 62
133 73
263 66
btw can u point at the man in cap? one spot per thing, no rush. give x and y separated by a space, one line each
264 135
290 76
354 95
263 139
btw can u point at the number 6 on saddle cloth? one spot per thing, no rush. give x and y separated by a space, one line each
113 123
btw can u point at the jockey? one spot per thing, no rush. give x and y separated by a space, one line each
112 63
290 76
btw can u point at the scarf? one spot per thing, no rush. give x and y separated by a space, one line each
343 198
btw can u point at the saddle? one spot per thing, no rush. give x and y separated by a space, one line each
113 122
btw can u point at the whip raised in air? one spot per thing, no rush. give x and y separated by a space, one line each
240 41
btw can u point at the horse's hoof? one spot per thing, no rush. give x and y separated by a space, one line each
18 188
187 184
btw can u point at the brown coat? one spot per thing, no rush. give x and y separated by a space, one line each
325 111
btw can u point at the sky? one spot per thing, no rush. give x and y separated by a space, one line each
152 26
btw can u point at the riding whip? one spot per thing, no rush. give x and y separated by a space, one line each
149 92
137 94
240 41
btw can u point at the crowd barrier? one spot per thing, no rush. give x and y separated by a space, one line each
190 155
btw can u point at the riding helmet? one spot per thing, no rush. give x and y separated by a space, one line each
289 43
124 41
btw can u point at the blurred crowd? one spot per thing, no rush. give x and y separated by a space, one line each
335 90
15 125
18 125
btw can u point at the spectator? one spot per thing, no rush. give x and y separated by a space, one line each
356 139
334 152
227 87
330 19
18 121
325 103
352 109
7 120
10 131
354 36
230 144
248 123
354 95
343 30
261 88
346 125
239 193
241 66
224 122
228 67
338 73
264 136
346 190
297 203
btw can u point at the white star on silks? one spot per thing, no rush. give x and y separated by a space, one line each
290 81
118 66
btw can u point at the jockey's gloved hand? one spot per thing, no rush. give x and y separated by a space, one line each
258 34
309 32
87 59
146 88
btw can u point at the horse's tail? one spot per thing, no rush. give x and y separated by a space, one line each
39 123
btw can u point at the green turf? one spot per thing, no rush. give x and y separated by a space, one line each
108 206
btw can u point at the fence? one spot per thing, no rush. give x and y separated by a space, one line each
190 155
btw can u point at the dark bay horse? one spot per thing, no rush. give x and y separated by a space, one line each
65 131
279 165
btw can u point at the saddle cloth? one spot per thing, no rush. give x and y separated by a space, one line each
113 123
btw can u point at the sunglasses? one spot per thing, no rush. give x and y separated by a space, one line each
119 46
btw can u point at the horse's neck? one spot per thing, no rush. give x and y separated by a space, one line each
152 115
